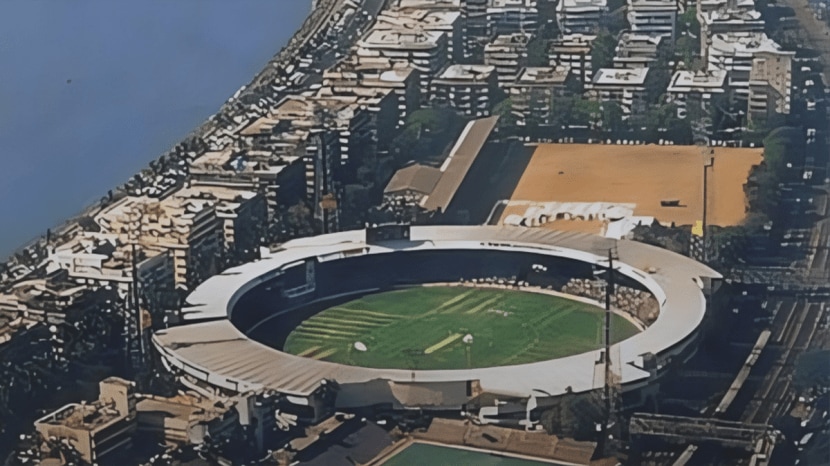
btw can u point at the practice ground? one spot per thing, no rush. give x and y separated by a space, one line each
643 175
424 328
421 453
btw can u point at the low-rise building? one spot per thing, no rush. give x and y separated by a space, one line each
185 419
410 185
96 429
693 91
653 17
574 51
470 89
534 91
627 87
580 16
508 54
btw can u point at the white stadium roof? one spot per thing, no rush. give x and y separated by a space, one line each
219 354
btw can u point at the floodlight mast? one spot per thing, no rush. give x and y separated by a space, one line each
609 292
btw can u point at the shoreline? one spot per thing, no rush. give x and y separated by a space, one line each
320 11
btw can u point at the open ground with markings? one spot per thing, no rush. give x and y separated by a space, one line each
442 327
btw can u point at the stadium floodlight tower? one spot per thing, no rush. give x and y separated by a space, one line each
609 389
707 154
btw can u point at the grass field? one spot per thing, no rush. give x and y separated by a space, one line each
425 328
643 175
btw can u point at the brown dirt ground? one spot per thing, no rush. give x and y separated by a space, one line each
642 175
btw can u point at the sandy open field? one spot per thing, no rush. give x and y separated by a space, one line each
643 175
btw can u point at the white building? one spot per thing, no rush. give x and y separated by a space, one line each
450 23
770 83
508 54
655 17
425 50
689 88
511 16
725 20
734 53
627 87
574 51
637 50
580 16
533 92
400 78
469 89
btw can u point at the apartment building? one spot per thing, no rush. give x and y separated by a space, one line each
508 54
735 52
469 89
426 51
188 229
450 22
627 87
478 27
653 17
770 83
242 213
94 430
693 91
574 51
534 92
580 16
279 178
400 79
512 16
724 21
638 50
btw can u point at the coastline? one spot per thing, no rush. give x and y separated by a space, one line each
320 11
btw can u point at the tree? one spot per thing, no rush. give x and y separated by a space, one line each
688 24
584 111
508 122
537 51
686 49
424 134
299 220
662 122
603 50
356 203
612 114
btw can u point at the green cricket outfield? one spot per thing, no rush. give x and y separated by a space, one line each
453 327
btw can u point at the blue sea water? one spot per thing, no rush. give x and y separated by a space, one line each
92 90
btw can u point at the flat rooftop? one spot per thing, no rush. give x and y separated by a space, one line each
546 75
743 43
401 39
467 73
620 77
576 6
701 81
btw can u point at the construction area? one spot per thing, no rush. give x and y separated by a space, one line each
594 183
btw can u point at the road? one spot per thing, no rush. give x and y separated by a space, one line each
817 32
